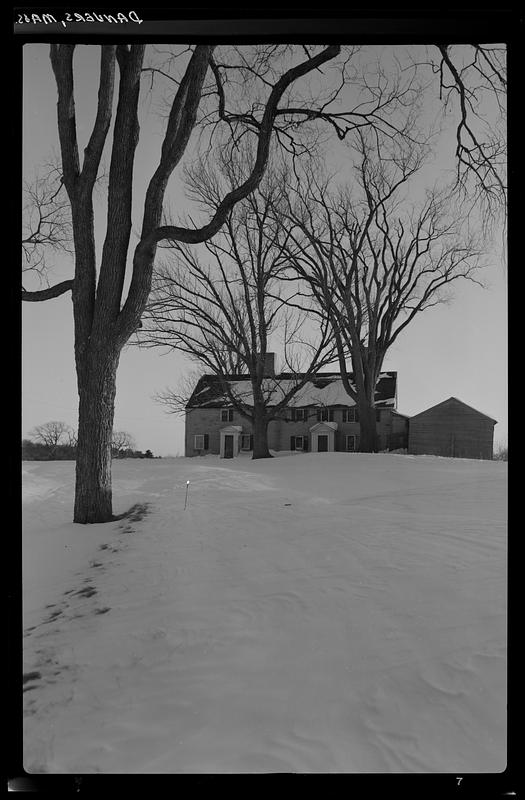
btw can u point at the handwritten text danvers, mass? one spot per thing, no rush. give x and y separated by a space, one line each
86 16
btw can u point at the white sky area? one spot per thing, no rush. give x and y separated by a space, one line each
313 613
458 349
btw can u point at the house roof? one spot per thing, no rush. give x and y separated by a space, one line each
399 414
453 400
326 389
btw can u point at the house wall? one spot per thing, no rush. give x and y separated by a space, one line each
452 430
208 421
386 426
275 435
397 433
290 428
399 424
345 429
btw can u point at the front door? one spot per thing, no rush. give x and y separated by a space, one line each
322 443
228 446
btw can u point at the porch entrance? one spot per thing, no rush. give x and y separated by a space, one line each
228 446
323 437
322 443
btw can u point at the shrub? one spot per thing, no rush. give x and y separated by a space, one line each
501 453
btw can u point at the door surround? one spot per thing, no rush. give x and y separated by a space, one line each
235 432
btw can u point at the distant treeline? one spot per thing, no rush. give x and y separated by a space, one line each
501 453
37 451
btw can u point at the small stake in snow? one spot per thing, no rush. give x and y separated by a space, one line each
186 498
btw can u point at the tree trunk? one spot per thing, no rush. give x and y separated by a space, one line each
368 439
260 436
96 389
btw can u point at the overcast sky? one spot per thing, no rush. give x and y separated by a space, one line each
458 349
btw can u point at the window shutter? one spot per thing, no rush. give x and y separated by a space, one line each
318 415
294 415
356 414
206 441
292 442
305 443
331 415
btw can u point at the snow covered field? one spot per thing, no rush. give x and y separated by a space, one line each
315 613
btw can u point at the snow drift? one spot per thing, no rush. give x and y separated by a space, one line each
314 613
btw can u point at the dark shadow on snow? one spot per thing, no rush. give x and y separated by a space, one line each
135 513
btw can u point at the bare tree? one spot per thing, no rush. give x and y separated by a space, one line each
103 319
72 438
371 261
252 93
53 434
120 442
224 310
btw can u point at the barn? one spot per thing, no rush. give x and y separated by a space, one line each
453 429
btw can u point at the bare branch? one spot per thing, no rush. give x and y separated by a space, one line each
46 220
480 151
371 262
232 304
47 294
180 125
265 130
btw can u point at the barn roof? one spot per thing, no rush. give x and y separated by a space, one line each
452 400
325 389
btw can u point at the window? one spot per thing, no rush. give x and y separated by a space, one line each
350 414
299 414
201 441
350 443
299 443
246 441
226 414
325 415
